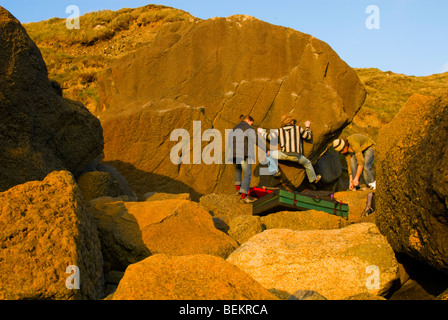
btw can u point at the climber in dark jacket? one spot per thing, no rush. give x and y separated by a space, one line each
243 140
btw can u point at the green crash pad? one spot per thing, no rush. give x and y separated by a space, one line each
283 200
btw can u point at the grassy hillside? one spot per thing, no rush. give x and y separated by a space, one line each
74 57
387 93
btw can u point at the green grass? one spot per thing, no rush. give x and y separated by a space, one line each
387 92
75 56
101 25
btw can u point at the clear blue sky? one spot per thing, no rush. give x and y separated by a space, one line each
412 39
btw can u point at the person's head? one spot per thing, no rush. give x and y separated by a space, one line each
341 146
288 120
248 119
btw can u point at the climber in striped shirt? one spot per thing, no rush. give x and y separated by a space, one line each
290 139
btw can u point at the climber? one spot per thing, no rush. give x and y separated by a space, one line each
243 141
289 138
363 149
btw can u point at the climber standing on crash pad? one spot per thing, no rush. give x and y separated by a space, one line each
243 140
363 150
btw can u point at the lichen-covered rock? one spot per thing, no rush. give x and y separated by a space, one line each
336 263
412 180
46 229
193 277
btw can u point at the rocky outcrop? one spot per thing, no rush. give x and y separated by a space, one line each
242 228
222 205
41 131
119 232
194 277
357 202
306 295
412 176
334 263
132 231
212 71
443 295
98 184
303 220
45 230
187 229
159 196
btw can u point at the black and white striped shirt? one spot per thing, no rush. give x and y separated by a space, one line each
290 138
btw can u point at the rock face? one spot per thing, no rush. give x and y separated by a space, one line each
194 277
132 231
41 131
221 205
242 228
98 184
45 229
333 263
413 180
212 71
119 232
187 229
303 220
357 202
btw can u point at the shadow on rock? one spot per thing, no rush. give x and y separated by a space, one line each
142 182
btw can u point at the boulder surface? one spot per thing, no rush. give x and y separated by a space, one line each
45 230
193 277
412 205
41 131
336 263
213 71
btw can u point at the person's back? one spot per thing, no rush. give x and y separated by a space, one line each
243 140
359 142
362 148
291 138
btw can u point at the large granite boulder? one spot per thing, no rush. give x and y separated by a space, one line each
186 229
193 277
132 231
41 131
303 220
46 231
336 263
412 180
119 233
213 71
